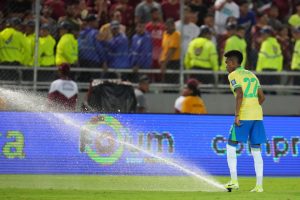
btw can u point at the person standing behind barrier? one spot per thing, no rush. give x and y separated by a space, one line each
47 47
143 88
91 50
63 92
67 46
170 56
294 20
14 44
224 9
202 54
30 36
270 56
295 66
190 101
236 41
156 29
190 30
140 51
117 48
143 10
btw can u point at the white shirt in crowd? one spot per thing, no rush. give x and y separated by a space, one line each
229 10
190 31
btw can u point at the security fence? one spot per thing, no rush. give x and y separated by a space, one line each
102 41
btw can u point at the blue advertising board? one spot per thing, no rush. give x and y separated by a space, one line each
136 144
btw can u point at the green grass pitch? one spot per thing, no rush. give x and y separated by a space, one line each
70 187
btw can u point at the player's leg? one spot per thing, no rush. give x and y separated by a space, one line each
237 134
232 164
257 137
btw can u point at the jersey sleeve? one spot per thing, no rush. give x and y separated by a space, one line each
234 81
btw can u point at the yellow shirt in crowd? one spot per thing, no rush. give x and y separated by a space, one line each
170 41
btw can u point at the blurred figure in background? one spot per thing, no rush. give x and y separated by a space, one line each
296 55
2 104
190 101
156 29
143 88
171 9
47 47
170 56
236 41
63 92
91 51
294 20
13 47
67 46
117 48
30 36
140 51
105 32
143 10
202 55
190 30
200 8
270 56
225 9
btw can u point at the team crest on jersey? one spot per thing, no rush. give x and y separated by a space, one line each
233 82
198 51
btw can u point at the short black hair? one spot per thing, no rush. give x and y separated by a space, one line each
235 54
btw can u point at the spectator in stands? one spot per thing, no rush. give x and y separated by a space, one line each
200 9
91 51
190 102
46 18
126 11
294 20
247 18
72 16
141 49
58 8
262 21
63 92
143 10
30 36
105 30
235 41
156 29
190 30
47 47
117 48
170 56
171 9
224 9
143 88
67 46
14 43
295 66
202 54
270 56
286 46
273 21
209 21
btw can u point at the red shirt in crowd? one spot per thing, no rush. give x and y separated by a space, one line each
58 8
171 10
127 12
156 31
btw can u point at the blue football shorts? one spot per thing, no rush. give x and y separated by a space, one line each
249 130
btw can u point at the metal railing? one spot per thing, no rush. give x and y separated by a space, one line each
216 87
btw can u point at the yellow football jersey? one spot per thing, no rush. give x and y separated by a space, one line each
250 108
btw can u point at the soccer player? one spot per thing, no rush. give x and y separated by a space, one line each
248 124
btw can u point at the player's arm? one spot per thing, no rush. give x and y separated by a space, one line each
238 104
261 96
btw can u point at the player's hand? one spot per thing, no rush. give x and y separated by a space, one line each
237 120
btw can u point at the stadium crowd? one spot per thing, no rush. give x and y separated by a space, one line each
123 34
